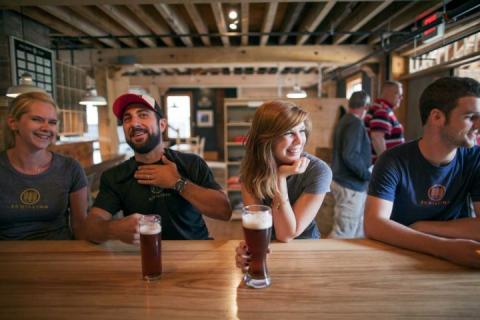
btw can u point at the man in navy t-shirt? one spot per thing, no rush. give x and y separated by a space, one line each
420 192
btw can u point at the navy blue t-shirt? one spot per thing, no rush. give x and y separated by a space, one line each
421 191
119 190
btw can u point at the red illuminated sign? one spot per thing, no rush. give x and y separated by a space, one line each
433 32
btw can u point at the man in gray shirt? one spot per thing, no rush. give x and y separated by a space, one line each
350 166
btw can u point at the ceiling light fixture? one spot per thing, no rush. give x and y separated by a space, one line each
297 93
25 85
91 98
233 14
233 26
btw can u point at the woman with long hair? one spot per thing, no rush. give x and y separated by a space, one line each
276 171
44 194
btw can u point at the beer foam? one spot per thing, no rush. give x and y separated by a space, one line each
150 229
257 221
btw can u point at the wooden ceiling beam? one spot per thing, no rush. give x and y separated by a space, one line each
400 22
313 20
220 20
225 81
125 2
74 20
339 14
360 18
268 22
244 22
54 23
290 20
120 15
198 22
382 23
89 14
174 21
341 54
158 27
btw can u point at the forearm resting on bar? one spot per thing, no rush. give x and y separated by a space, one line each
100 227
465 228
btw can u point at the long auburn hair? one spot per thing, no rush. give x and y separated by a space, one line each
259 167
18 107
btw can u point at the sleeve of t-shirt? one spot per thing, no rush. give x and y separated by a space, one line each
107 199
79 179
475 190
318 177
380 121
203 175
385 178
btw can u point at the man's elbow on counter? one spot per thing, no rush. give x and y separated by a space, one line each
369 228
222 212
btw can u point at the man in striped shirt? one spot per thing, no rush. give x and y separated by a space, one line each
384 129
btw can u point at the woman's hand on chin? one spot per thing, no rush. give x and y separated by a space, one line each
297 167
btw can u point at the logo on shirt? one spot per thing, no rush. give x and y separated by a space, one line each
30 196
156 190
436 192
158 193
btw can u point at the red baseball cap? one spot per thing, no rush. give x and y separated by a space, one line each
127 99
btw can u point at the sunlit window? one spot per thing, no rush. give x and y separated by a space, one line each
353 85
92 121
179 116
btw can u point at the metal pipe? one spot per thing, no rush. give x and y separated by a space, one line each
449 17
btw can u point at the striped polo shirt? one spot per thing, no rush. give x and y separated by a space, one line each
380 117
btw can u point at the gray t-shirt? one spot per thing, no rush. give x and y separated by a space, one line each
316 179
37 206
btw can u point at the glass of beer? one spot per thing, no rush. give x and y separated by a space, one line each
151 246
257 228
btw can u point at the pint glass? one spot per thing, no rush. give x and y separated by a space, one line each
257 228
151 246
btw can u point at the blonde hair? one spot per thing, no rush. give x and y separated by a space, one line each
18 107
259 168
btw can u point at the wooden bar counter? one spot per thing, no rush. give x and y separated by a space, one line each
311 279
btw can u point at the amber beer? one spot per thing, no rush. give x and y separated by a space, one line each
257 228
151 246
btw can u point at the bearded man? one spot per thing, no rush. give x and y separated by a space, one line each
156 180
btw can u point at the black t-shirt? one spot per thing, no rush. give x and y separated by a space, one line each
119 190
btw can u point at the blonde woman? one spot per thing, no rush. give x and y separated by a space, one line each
44 195
276 171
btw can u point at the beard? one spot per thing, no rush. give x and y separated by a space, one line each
152 141
458 141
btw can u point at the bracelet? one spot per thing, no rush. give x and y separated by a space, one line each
278 203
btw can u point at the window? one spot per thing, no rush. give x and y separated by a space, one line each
92 121
179 116
123 147
353 84
92 131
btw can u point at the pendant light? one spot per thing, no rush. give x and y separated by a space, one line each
91 98
25 85
296 93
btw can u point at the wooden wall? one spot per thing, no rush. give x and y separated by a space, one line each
324 115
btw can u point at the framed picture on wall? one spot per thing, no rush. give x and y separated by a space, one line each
205 118
37 61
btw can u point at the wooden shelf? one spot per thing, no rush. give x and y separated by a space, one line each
238 115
